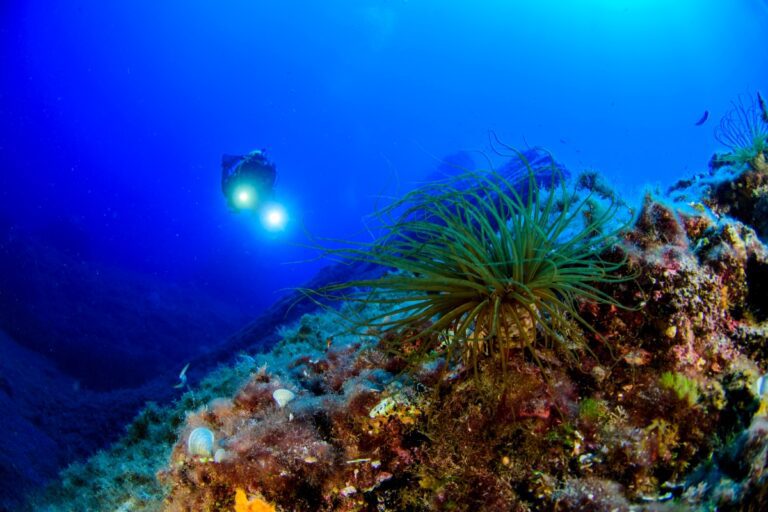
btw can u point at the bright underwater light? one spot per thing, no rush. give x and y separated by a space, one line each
244 196
274 217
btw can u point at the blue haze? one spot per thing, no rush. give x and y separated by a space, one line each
113 115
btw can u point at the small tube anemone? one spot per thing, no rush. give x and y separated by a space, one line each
744 131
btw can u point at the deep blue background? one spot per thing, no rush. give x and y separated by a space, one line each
113 115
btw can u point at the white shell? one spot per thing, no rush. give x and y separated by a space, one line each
384 407
220 455
283 396
761 386
200 442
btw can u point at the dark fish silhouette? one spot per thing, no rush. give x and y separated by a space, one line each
703 118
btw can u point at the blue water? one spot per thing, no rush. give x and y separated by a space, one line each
114 115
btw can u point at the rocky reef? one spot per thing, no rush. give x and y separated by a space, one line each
663 407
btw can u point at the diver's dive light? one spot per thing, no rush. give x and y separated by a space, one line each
247 182
274 217
244 197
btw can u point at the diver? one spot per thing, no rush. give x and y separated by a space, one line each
247 181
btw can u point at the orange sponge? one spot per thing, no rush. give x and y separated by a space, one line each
243 504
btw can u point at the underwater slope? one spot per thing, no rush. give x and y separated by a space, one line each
84 347
664 408
661 407
48 421
107 327
26 379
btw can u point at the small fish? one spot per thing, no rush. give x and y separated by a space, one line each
763 106
182 377
703 118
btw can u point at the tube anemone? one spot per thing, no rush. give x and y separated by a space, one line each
484 263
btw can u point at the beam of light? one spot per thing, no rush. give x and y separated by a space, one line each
274 217
244 196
